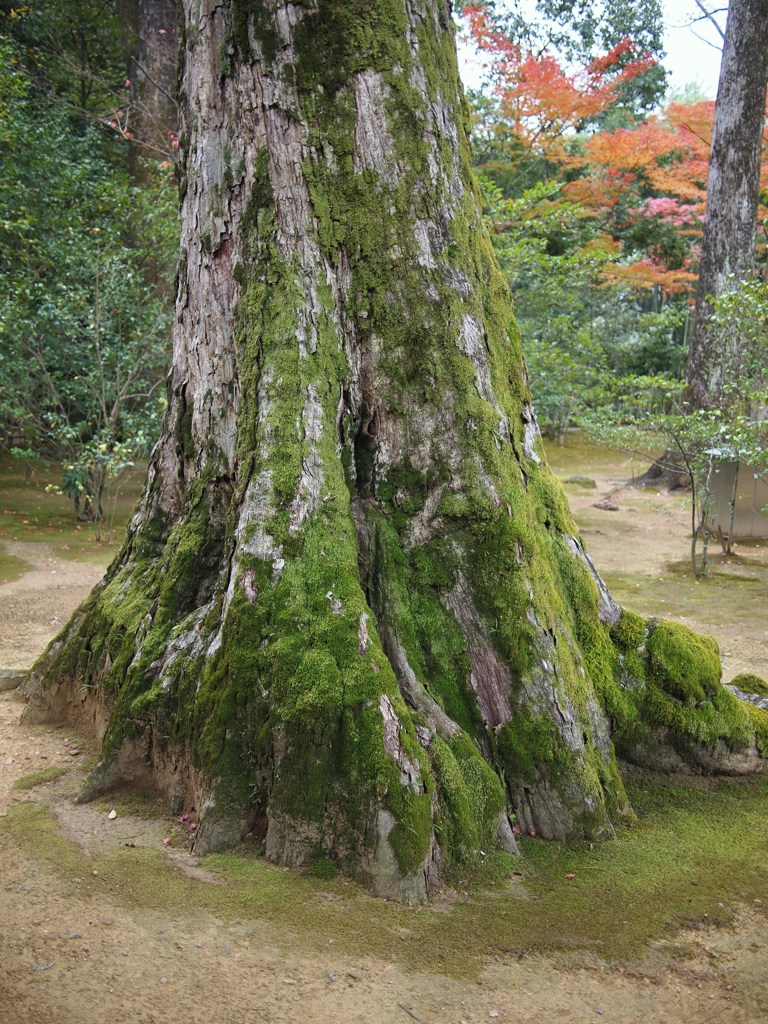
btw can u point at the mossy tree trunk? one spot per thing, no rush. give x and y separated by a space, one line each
352 616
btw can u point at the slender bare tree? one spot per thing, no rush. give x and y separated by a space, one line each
716 356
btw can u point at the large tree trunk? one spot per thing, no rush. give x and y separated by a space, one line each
716 355
352 616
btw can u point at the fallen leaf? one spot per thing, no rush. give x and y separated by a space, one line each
570 874
167 841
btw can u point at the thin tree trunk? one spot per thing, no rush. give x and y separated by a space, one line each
732 509
352 616
150 30
715 356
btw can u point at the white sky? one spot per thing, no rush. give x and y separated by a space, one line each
691 57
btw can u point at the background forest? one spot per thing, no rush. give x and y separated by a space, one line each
594 177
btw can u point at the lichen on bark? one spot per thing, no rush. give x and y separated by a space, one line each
352 617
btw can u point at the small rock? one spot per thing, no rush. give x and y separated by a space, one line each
112 814
333 976
582 481
163 981
606 506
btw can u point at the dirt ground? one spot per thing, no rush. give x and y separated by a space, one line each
71 957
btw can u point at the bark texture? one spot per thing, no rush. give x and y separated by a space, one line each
150 30
352 617
716 357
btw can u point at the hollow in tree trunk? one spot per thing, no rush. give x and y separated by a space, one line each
352 617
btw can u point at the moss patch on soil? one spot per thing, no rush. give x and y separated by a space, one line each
31 513
747 682
697 850
11 567
54 771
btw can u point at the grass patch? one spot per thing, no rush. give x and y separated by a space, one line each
54 771
708 602
11 567
32 514
696 846
578 456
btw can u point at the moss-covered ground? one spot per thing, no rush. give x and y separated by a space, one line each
48 774
31 512
695 852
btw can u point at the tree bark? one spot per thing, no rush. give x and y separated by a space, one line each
716 356
150 31
352 617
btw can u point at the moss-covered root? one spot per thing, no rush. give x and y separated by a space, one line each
677 715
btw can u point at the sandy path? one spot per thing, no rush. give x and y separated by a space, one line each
34 608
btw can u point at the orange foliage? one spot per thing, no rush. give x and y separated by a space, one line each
539 101
665 157
669 152
647 273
